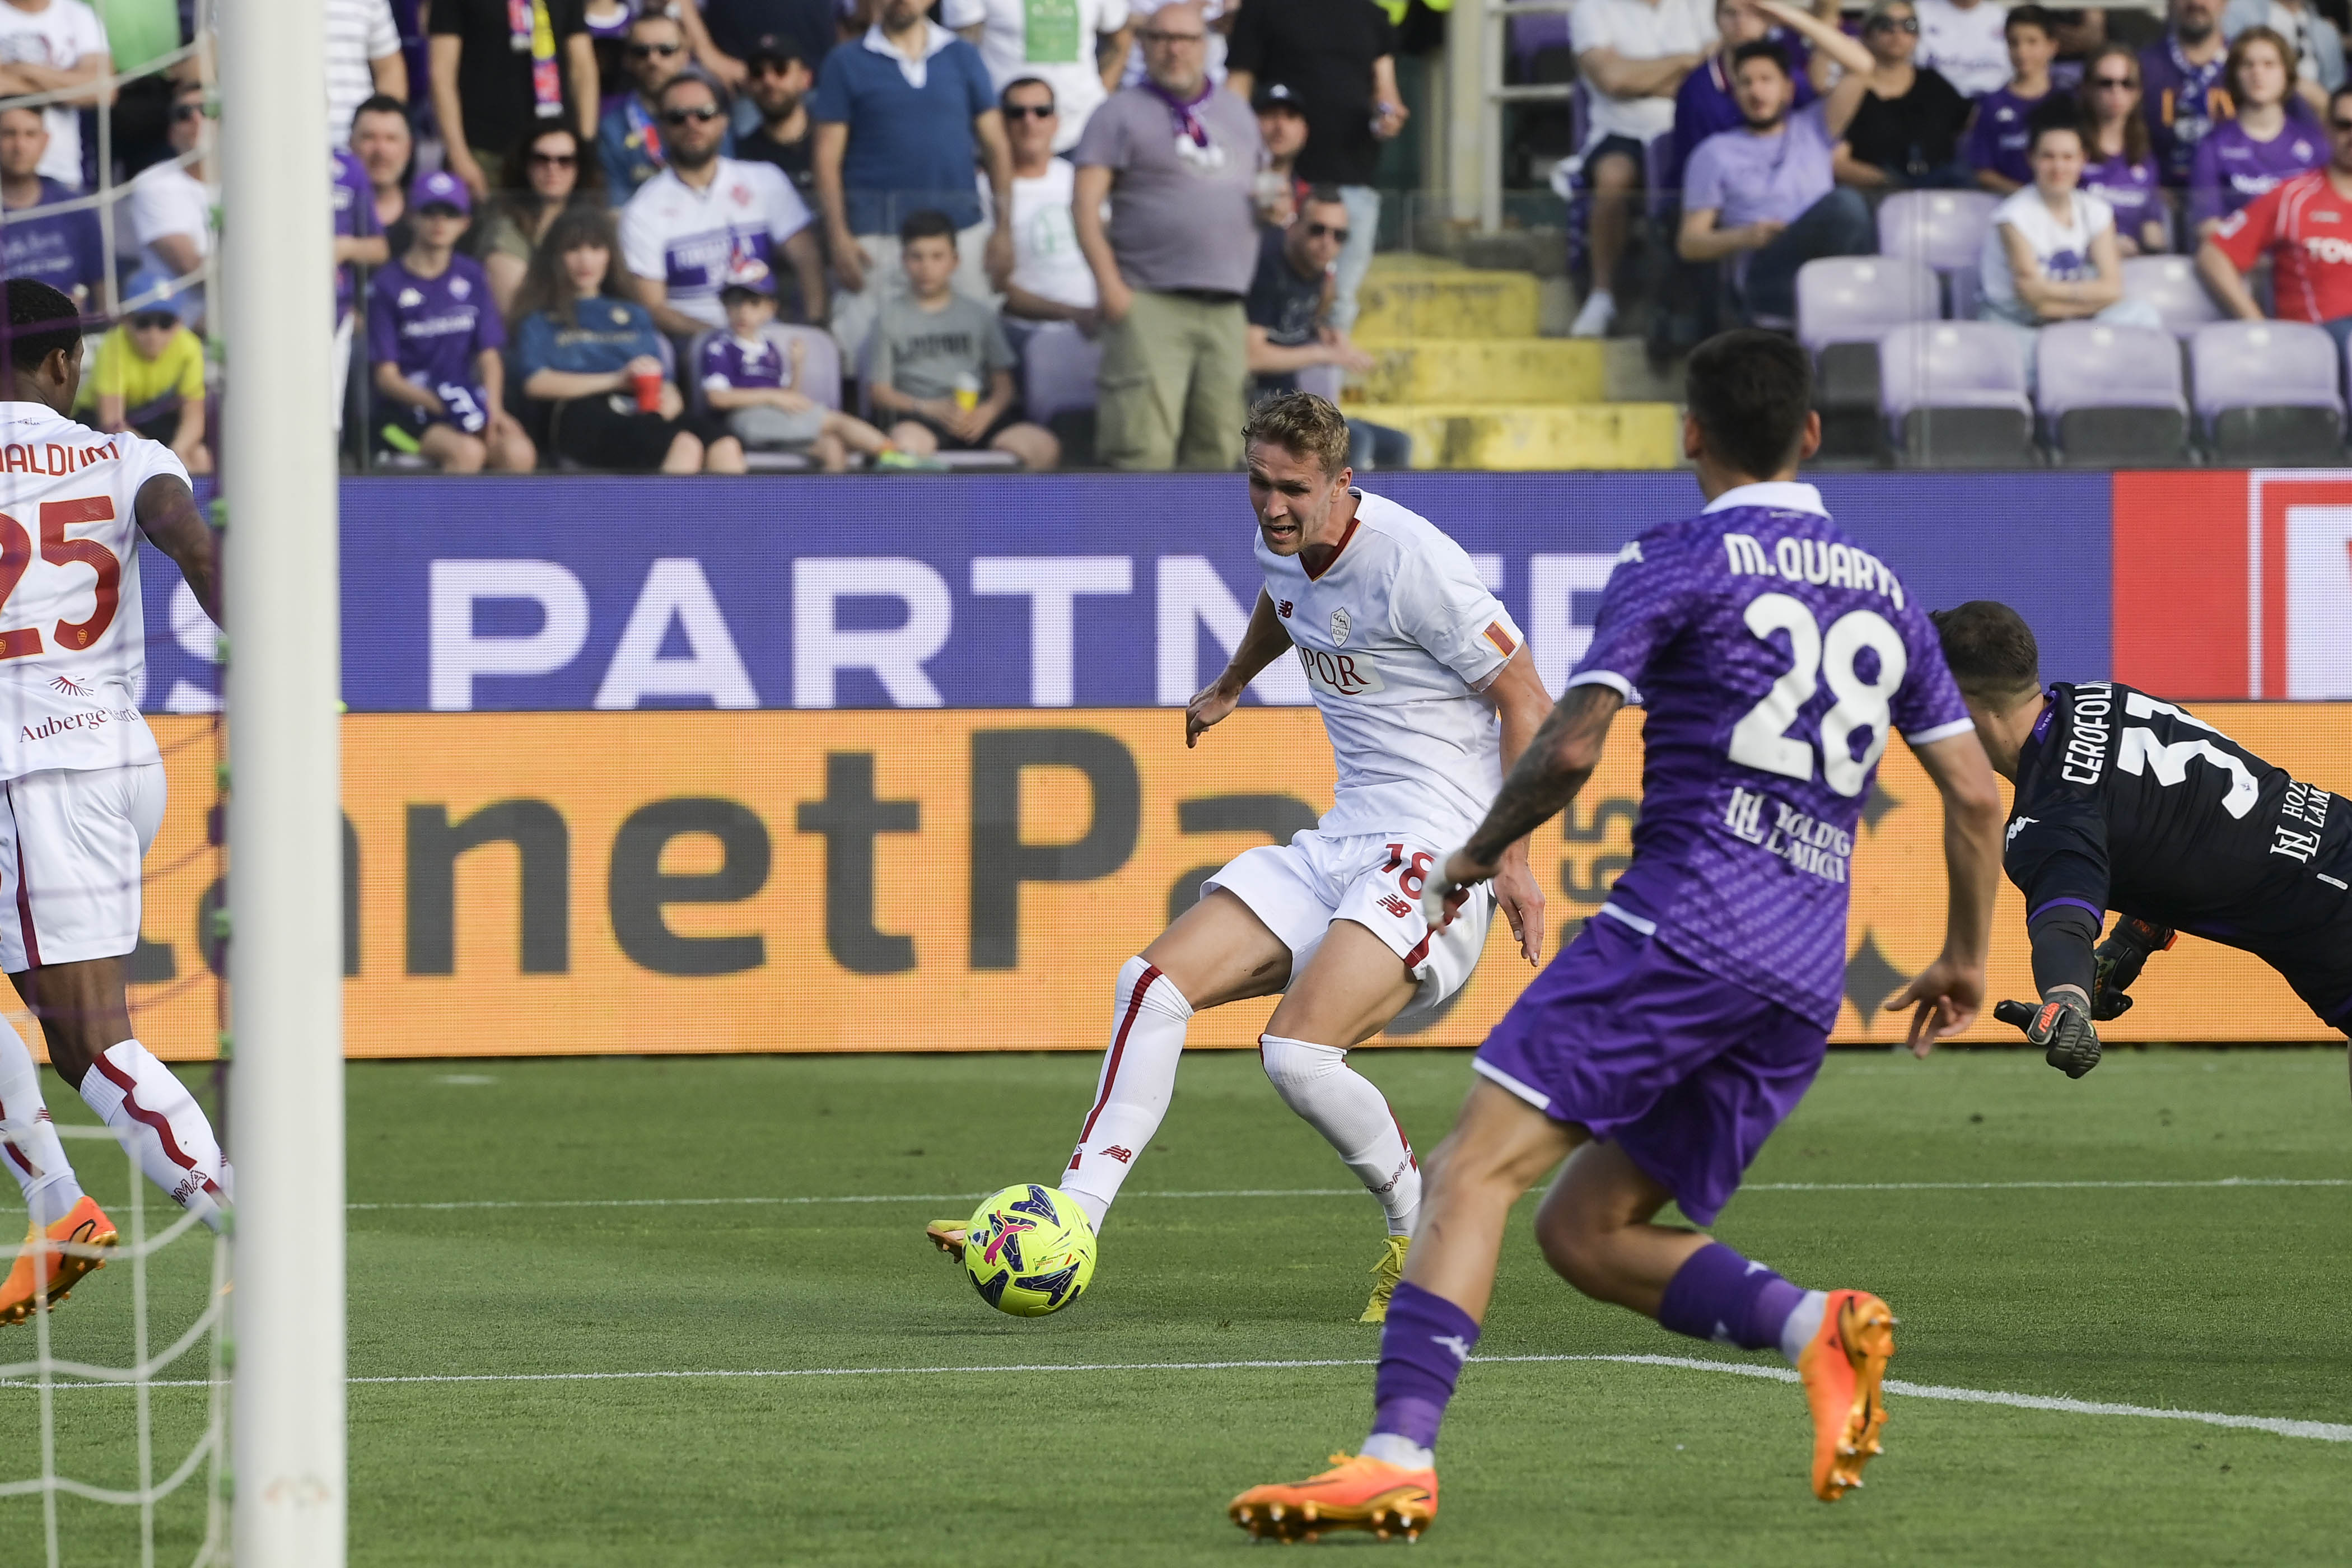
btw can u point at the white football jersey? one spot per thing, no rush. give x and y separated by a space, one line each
73 643
1397 636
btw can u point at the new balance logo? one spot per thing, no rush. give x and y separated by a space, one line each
1282 609
1117 1153
1455 1343
1396 906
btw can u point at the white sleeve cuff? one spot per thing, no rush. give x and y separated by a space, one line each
1608 677
1940 732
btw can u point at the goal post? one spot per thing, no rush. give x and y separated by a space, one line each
285 821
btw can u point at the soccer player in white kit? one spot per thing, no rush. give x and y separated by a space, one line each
81 790
1428 694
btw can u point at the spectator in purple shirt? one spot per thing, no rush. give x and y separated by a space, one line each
1705 103
2121 169
2181 74
1763 196
1997 141
62 250
2271 138
434 336
359 242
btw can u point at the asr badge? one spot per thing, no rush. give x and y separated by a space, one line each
1339 626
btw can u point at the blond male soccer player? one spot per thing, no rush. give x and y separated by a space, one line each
1428 694
81 795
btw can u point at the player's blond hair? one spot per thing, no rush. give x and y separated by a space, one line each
1303 424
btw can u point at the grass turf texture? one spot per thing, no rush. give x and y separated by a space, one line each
2207 1299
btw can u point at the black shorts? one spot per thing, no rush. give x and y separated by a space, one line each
1625 147
612 433
2319 968
949 443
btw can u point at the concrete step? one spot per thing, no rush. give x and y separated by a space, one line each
1533 437
1398 304
1485 371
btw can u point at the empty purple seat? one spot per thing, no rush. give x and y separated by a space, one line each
1954 394
1945 230
1058 364
1534 32
1855 299
2170 284
2111 395
2267 391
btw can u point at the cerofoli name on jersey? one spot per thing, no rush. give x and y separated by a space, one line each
1799 560
1341 674
2086 756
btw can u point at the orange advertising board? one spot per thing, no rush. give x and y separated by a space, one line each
949 879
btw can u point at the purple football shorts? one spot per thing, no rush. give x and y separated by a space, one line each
1689 1074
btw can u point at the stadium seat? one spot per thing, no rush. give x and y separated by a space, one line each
1954 394
1843 304
2266 393
1058 364
1945 230
2110 396
820 380
2170 284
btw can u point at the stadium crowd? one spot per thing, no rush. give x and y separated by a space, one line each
714 235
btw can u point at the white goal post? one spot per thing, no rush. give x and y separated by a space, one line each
285 821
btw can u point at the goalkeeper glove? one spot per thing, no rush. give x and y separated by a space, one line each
2119 960
2062 1027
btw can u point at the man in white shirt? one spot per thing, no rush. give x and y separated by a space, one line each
363 58
1077 49
681 232
1050 280
1633 54
1966 41
169 213
47 45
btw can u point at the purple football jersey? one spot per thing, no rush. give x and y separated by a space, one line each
432 328
354 212
63 249
1775 655
2230 168
1997 140
2128 187
2177 98
729 361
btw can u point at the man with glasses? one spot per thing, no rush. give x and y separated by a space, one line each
499 67
705 214
2304 224
1050 280
1291 327
169 214
629 138
1177 162
1077 47
903 114
777 80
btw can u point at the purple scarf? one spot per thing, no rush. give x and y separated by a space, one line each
1188 123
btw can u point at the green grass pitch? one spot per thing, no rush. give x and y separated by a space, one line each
2194 1297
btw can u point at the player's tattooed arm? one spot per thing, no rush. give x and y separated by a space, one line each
1521 704
1566 749
169 517
1261 644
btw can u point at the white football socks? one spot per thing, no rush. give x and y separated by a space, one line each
1803 1323
29 1144
1139 1078
1341 1104
154 1113
1398 1449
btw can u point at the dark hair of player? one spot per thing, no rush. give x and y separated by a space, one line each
1749 391
1761 49
2031 17
41 320
927 224
1303 424
1992 650
2054 113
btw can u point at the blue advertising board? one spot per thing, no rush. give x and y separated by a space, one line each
569 593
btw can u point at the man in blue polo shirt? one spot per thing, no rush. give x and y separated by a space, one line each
902 116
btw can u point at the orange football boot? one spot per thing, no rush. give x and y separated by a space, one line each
1359 1493
1841 1370
947 1234
85 1229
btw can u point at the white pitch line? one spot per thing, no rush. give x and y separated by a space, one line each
2318 1431
2216 1183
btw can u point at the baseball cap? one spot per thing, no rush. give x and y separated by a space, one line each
773 46
750 274
441 188
150 289
1275 95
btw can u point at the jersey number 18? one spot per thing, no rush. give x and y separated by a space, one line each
1761 740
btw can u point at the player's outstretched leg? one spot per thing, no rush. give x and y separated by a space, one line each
59 1213
1355 1117
160 1122
1594 1229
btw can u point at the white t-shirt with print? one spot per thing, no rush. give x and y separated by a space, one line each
1640 30
1053 40
1047 260
1968 45
686 238
61 34
2062 248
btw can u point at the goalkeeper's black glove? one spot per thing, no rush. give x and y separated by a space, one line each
2119 960
2062 1026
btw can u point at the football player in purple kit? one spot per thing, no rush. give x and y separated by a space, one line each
1661 1048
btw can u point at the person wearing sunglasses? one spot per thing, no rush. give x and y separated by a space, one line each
777 80
169 214
499 67
549 173
2121 167
1291 327
2271 138
629 137
1050 280
1077 47
1996 146
1907 132
2304 226
148 375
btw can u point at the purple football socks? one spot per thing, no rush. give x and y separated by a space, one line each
1721 1295
1423 1348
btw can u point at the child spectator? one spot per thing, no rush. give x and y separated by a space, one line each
940 363
754 388
149 376
1997 142
2122 169
2271 138
433 337
586 343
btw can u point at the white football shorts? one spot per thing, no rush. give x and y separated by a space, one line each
71 841
1375 880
